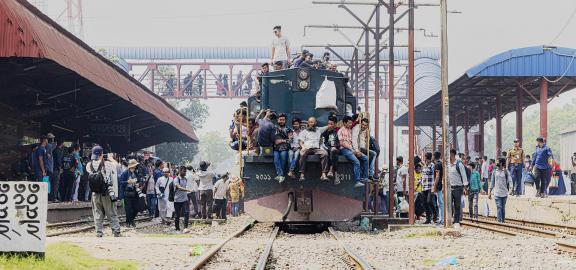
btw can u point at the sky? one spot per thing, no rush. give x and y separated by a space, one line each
482 29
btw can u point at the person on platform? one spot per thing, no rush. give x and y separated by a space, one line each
515 164
474 190
556 186
103 198
458 181
438 185
181 205
164 207
484 173
129 190
427 183
41 155
193 195
401 177
205 188
234 187
500 184
55 185
280 48
359 161
221 188
541 166
69 165
310 145
79 171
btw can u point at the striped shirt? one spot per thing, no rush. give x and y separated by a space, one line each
428 176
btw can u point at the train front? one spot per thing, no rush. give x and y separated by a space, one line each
294 92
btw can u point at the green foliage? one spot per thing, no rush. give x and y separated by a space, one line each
213 147
182 153
560 119
430 233
63 256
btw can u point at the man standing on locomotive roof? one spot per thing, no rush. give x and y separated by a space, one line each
515 164
281 147
310 144
280 48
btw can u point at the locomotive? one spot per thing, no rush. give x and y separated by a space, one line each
293 92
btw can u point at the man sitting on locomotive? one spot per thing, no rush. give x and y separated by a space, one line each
281 147
332 146
266 131
294 151
310 144
361 141
347 150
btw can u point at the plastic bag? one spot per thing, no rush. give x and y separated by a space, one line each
486 209
403 205
326 95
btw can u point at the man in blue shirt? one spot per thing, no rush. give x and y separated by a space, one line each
541 166
266 132
41 167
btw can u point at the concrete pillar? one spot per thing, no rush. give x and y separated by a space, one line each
466 129
544 108
434 138
481 129
498 126
455 135
519 105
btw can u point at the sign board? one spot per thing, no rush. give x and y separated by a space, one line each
23 213
416 132
110 130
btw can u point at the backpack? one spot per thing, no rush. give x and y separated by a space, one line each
458 162
96 179
171 191
68 162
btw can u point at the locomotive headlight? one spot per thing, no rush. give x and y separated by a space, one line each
303 74
303 85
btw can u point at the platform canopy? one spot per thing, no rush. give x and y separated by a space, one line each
52 79
503 74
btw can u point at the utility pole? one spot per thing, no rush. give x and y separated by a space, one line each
391 11
445 110
411 108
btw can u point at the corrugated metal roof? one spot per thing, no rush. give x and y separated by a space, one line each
527 62
165 53
26 32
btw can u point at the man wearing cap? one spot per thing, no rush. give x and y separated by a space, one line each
205 187
162 194
129 189
541 166
280 48
103 203
515 164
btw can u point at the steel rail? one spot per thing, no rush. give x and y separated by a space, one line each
566 247
263 260
515 228
570 229
488 228
360 262
204 258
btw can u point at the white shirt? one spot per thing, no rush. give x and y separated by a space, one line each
191 184
484 170
311 139
402 171
220 189
455 178
279 44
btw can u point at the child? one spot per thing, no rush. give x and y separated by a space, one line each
475 187
235 195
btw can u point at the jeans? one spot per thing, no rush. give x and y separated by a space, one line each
473 204
235 145
192 199
235 206
360 163
280 162
131 209
333 154
220 208
457 202
428 204
293 156
67 180
206 203
55 185
440 198
541 180
516 174
151 202
383 207
181 208
500 208
372 158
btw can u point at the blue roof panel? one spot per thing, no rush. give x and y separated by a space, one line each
528 62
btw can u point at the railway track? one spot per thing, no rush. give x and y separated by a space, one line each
564 247
563 229
352 259
61 227
509 228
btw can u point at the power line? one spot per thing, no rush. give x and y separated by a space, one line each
564 27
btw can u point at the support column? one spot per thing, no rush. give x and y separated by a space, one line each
376 101
519 105
544 108
178 86
367 70
455 134
433 138
231 90
481 130
152 79
498 126
391 145
411 131
466 129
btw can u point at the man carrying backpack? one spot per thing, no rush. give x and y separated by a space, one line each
103 197
162 192
500 184
458 181
69 165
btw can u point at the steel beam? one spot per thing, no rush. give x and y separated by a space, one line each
411 136
466 130
481 129
544 108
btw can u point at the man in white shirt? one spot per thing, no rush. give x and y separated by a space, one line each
205 188
164 206
401 177
280 48
193 186
220 201
458 182
310 144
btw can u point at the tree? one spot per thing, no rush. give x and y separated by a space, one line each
178 152
213 148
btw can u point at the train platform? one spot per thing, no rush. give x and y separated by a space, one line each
560 210
73 211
